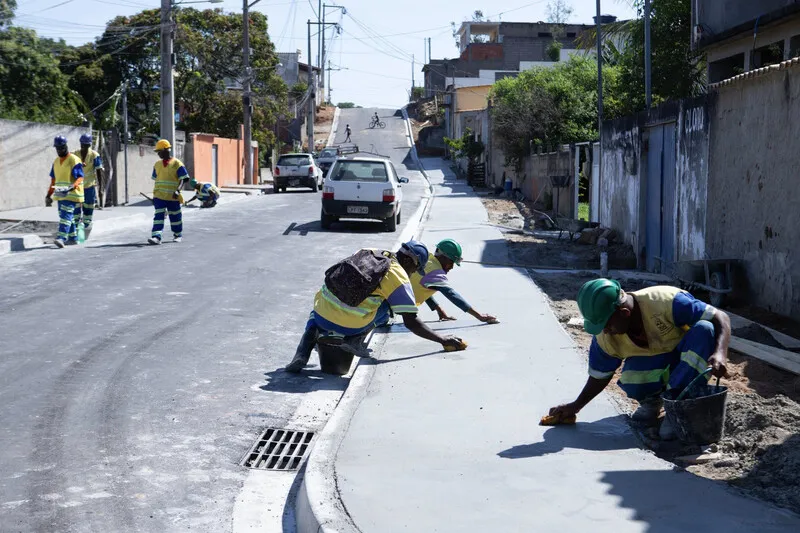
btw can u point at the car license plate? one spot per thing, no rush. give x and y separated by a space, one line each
294 183
357 209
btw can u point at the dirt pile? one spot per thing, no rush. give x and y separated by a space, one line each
762 448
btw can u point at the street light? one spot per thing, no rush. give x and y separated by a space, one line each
248 110
167 108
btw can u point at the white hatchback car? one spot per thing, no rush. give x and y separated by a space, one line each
296 170
362 187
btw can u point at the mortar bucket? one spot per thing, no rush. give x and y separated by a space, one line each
700 417
334 360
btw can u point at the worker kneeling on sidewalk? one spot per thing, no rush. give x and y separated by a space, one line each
661 336
359 294
434 279
207 193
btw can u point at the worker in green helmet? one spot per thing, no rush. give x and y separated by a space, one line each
434 279
207 193
662 337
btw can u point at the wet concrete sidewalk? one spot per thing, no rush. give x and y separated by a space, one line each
451 441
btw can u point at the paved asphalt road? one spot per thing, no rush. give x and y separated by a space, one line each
134 378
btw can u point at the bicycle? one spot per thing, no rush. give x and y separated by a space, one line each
377 123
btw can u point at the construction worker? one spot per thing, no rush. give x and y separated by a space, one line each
66 184
661 336
207 193
434 279
92 172
170 176
333 322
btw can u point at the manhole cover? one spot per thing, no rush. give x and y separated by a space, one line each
279 449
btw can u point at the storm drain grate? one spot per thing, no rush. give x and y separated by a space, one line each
279 449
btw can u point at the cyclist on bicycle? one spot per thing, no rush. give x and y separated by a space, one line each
376 119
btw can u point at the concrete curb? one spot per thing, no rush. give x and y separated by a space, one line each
19 242
334 125
319 507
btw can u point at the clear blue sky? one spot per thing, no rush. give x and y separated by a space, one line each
378 70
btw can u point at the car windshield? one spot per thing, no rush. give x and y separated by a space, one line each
360 171
293 160
328 153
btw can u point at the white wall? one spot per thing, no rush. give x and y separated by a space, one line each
27 153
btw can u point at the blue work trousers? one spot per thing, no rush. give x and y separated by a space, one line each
173 209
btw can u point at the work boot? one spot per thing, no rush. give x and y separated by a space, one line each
154 240
648 410
177 238
355 345
666 431
59 243
303 353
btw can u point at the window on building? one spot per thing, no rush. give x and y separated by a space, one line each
725 68
767 55
545 34
794 46
571 35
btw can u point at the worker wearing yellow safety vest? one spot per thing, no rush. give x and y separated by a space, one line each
662 337
66 184
434 279
207 193
92 172
170 175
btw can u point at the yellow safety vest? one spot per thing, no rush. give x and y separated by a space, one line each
63 173
167 179
89 176
422 293
663 335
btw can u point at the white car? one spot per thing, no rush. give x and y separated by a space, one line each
362 187
297 170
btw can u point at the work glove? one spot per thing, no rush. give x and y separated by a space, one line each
61 192
48 201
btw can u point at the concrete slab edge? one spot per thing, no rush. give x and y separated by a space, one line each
5 247
20 242
334 125
319 507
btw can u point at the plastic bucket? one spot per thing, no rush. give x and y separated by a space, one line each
700 417
334 360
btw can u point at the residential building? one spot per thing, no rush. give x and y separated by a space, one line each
741 35
493 50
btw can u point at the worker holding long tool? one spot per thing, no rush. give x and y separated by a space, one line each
170 175
92 171
66 185
207 193
661 336
359 294
434 279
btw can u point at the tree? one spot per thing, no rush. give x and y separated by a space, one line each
677 70
417 93
558 11
466 146
549 106
346 105
7 8
31 85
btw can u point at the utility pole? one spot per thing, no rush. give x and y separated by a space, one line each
167 109
246 102
320 36
599 95
413 68
430 58
648 95
125 135
312 95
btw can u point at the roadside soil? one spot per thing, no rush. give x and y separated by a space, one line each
760 451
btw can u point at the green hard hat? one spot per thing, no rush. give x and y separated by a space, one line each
597 300
192 183
451 250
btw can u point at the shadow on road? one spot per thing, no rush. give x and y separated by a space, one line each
608 434
339 227
123 245
309 380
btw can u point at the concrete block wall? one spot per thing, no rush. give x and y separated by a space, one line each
752 188
27 153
